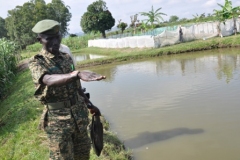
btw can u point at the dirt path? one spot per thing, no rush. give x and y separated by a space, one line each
23 65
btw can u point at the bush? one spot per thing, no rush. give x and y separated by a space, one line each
36 47
75 43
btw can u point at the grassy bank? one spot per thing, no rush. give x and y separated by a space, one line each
19 117
125 54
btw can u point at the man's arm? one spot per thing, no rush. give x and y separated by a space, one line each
55 80
63 79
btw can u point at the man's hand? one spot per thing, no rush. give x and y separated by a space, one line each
95 111
90 76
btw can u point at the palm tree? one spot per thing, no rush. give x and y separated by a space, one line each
229 12
197 17
153 16
219 17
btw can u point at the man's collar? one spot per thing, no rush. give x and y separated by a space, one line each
48 54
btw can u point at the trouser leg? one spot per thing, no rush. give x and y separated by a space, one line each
82 145
61 147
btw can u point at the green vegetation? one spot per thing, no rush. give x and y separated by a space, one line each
21 20
153 16
228 12
125 54
8 64
122 26
3 31
97 18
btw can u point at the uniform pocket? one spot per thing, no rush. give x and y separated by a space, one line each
60 122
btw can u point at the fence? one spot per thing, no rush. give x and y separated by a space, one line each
160 37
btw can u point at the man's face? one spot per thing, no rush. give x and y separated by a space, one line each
51 43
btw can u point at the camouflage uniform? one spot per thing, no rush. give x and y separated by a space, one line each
66 127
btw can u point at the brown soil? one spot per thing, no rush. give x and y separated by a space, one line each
23 65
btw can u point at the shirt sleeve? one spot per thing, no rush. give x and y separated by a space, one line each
37 70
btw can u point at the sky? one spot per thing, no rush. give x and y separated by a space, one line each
124 9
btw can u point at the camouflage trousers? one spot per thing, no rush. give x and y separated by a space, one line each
66 140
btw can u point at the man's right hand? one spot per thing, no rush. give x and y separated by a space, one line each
90 76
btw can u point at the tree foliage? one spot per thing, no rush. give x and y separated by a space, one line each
3 31
153 16
122 26
97 18
21 19
228 11
173 18
59 12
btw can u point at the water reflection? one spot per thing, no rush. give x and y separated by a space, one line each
83 57
153 137
223 64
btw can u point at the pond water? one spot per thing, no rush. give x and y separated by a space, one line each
177 107
83 57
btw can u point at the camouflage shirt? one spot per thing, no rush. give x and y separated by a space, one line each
47 63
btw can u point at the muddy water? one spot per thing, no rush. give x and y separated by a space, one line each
179 107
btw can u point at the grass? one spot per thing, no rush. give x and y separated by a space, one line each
19 136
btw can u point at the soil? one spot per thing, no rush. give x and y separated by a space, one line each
23 65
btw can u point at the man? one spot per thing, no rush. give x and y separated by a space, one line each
180 34
58 87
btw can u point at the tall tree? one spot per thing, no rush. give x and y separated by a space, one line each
19 24
97 18
21 19
3 31
228 11
153 16
58 11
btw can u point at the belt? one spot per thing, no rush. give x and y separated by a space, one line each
63 104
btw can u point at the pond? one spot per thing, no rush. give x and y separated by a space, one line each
177 107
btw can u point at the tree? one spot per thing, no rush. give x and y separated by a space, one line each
173 18
97 18
197 18
143 26
122 26
19 24
21 19
58 11
153 16
3 31
219 17
230 12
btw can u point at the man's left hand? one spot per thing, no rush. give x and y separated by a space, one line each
95 111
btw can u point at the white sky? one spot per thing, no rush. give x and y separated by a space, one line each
123 9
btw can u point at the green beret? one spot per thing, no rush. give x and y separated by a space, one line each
46 26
